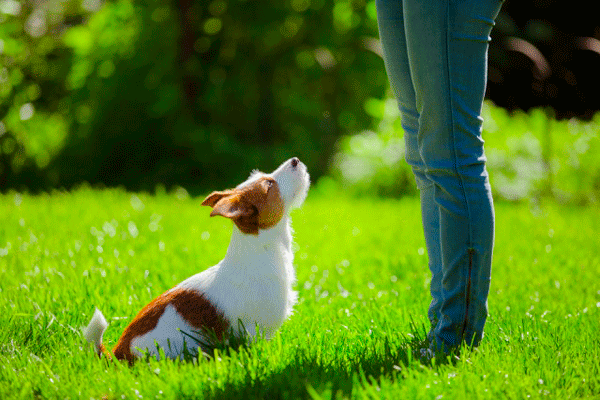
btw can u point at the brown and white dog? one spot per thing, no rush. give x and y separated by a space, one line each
251 285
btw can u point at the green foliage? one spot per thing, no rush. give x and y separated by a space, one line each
140 93
31 131
530 155
372 163
188 92
355 332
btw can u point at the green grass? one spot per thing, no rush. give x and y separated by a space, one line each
363 288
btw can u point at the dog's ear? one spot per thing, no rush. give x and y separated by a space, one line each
214 197
235 207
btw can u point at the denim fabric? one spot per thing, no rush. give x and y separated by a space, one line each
435 54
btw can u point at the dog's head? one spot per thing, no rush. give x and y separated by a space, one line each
262 201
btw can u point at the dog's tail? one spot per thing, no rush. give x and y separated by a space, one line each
94 331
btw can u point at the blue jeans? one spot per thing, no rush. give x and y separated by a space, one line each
435 54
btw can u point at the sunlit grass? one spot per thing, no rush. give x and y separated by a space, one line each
363 289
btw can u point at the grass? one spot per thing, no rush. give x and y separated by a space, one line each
363 288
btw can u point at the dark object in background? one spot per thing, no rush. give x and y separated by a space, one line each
546 53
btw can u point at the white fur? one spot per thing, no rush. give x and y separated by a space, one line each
252 284
169 335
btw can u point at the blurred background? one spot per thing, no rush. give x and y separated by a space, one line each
153 94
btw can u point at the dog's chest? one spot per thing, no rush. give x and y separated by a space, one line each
254 298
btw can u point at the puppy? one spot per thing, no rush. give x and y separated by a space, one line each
251 287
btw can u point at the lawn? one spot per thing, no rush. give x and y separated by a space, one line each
363 290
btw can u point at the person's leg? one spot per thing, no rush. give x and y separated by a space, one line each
447 42
391 31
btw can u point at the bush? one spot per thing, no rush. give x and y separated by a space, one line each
182 92
372 163
530 155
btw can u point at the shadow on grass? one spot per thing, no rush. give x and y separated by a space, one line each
307 378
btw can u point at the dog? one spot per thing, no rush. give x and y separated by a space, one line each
247 293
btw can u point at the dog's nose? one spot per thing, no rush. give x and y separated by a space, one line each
295 162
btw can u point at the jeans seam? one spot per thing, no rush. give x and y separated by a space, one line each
467 296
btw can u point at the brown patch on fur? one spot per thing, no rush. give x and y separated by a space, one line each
192 306
253 207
